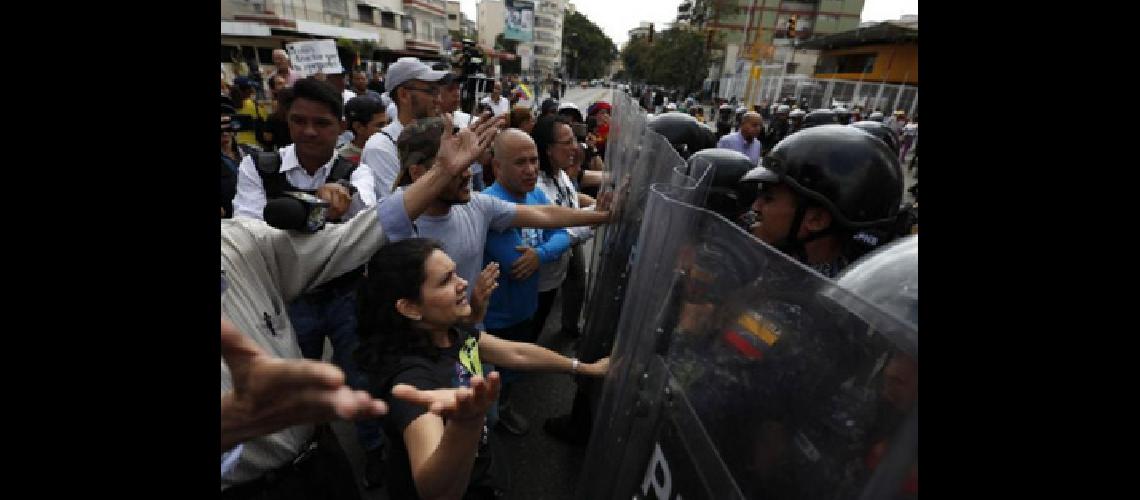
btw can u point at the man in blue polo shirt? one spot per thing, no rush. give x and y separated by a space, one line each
521 250
747 139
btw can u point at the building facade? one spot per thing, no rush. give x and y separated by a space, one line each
548 19
491 18
454 23
252 29
425 27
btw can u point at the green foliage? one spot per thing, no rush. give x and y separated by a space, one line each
676 58
588 50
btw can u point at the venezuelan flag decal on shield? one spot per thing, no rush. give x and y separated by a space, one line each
751 335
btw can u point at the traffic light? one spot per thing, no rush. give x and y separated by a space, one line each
792 26
650 32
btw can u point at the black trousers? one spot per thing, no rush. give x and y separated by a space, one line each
323 475
573 293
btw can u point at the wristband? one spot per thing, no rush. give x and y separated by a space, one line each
574 363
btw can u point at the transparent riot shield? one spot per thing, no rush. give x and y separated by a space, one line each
636 160
739 373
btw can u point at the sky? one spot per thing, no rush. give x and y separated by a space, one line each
617 17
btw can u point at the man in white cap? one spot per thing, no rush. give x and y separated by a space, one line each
415 88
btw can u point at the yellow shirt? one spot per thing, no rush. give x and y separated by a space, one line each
250 108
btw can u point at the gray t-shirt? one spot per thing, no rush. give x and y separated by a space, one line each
462 232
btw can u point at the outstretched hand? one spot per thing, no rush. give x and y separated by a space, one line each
455 404
485 286
459 149
270 394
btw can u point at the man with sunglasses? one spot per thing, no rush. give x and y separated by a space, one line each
415 88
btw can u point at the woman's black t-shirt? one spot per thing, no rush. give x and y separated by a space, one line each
454 367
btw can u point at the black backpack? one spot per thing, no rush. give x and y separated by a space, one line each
268 165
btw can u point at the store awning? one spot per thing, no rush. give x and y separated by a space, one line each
335 31
234 28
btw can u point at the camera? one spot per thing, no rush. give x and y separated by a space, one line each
297 211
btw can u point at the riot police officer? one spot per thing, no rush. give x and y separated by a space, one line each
778 129
723 120
684 132
822 186
820 117
795 120
726 195
843 115
880 131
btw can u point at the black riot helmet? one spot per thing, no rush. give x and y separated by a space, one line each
882 289
724 113
843 115
684 132
726 196
820 117
880 131
855 176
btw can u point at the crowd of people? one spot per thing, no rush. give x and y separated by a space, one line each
426 245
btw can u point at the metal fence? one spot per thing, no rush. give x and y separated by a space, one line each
773 85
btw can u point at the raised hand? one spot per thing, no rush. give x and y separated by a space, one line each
458 150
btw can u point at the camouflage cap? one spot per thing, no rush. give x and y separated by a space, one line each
418 145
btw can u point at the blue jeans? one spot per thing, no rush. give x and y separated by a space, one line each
316 316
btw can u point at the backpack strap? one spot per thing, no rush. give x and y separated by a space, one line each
268 166
342 168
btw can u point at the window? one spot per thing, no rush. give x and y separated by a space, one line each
410 25
365 13
388 20
846 63
451 17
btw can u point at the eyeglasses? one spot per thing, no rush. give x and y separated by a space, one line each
432 91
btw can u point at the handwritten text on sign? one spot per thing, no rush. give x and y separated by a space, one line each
316 56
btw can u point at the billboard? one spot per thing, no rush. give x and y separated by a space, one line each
520 20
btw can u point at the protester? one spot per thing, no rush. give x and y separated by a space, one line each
522 119
264 268
364 116
510 314
458 218
415 88
284 68
250 114
499 105
557 153
413 338
747 139
360 86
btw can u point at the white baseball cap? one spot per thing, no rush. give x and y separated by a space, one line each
410 68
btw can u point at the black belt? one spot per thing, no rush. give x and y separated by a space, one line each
268 480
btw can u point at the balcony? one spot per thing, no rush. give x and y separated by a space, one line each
280 14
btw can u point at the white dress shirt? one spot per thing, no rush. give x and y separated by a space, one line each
502 108
250 199
381 157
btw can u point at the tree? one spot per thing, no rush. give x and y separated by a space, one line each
588 51
679 60
512 46
635 57
676 58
